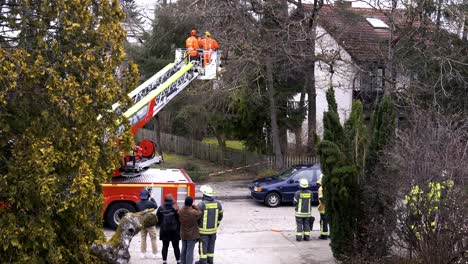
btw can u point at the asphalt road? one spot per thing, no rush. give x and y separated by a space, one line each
246 236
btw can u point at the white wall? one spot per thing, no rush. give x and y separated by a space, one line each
344 72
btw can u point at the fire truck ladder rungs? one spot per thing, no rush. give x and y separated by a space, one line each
162 89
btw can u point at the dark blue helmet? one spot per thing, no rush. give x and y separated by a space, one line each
144 194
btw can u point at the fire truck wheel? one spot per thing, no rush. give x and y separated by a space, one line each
116 212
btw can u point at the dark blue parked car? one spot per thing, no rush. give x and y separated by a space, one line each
281 188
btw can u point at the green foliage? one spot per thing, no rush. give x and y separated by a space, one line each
193 170
196 175
356 134
190 121
251 117
190 166
382 128
333 130
340 174
332 106
347 165
377 210
57 76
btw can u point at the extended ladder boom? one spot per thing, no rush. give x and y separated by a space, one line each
152 96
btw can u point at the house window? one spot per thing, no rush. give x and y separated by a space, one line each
376 22
371 80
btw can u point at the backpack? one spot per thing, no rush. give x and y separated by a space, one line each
169 223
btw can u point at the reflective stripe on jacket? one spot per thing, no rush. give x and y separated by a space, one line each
302 201
212 214
428 199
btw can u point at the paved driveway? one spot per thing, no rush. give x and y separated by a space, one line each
245 236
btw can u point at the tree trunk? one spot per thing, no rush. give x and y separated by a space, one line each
298 140
275 135
311 105
439 13
283 132
465 28
390 80
298 130
310 80
116 249
221 138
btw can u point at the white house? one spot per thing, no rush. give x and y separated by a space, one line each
352 49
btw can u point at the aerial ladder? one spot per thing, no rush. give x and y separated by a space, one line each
153 95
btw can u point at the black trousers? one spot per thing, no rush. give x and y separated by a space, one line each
206 247
302 227
323 225
175 246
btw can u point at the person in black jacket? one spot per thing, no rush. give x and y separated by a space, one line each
147 203
169 231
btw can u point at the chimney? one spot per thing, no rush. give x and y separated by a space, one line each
343 4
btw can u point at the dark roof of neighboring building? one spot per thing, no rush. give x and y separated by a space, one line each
349 27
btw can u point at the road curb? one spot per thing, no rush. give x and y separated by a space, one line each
226 198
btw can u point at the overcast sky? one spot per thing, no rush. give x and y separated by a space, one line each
146 3
149 4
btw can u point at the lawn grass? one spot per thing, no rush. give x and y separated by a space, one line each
232 144
174 160
199 170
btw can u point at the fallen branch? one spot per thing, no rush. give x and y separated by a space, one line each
115 250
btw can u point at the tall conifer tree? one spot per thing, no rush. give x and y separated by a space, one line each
348 159
59 72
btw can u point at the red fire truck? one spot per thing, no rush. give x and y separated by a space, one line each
122 193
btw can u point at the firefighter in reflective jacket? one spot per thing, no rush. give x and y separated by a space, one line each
423 206
302 201
209 45
192 45
321 209
212 214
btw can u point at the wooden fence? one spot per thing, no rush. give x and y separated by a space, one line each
231 158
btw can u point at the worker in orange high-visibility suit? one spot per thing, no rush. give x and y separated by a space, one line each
209 45
192 46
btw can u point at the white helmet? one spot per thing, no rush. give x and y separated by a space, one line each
303 183
207 190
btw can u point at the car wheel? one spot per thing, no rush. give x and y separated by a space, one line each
116 212
273 199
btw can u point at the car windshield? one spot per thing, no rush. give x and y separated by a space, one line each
286 173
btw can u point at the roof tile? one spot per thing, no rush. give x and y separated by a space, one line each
349 27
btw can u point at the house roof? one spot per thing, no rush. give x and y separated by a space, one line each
351 29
